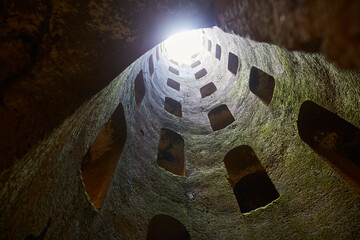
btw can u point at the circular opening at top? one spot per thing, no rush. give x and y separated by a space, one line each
184 47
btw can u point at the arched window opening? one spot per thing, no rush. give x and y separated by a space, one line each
174 62
173 70
195 64
173 84
99 163
201 73
233 63
220 117
171 152
218 52
151 65
262 85
157 53
251 184
172 106
139 88
164 227
335 139
208 89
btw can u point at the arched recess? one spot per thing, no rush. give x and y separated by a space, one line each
207 90
173 84
164 227
262 85
157 53
172 106
151 65
218 51
195 64
251 184
173 70
99 163
220 117
174 62
139 88
233 63
171 152
201 73
209 45
335 139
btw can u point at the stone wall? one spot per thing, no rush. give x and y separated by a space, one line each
43 195
56 55
313 26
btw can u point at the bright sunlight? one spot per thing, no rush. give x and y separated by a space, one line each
182 47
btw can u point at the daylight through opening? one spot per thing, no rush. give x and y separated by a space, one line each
184 47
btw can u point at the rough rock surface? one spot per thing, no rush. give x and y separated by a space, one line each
45 196
330 27
55 55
